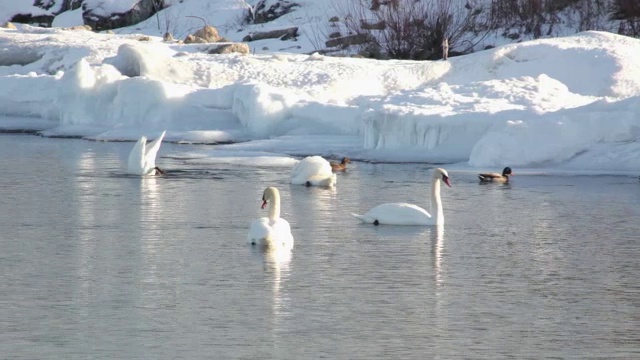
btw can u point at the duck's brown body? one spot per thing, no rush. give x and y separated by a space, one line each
496 177
342 166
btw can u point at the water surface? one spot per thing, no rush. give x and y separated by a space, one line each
98 264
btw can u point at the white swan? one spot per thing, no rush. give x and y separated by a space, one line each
272 231
313 170
409 214
142 159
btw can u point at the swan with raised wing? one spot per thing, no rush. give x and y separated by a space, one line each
313 171
410 214
271 231
142 159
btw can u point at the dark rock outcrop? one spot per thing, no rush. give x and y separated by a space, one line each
45 20
38 20
260 13
66 5
356 39
283 34
141 11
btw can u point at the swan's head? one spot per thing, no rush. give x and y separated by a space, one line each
269 193
507 171
443 175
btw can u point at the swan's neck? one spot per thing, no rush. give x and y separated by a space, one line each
274 209
436 202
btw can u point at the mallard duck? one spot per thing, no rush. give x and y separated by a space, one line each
496 177
342 166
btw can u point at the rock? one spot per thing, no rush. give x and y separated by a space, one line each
141 11
78 28
380 25
260 13
283 34
39 20
190 39
357 39
207 34
45 18
69 5
8 25
240 48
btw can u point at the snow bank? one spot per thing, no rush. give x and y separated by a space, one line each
563 136
569 102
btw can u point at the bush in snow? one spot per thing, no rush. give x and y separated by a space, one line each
410 29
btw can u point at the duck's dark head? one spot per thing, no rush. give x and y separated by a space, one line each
507 172
346 160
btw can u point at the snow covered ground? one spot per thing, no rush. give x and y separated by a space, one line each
570 104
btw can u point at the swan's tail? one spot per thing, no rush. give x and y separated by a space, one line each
265 241
360 217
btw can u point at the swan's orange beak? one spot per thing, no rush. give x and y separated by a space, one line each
264 204
446 180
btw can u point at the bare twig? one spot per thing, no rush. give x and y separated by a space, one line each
197 17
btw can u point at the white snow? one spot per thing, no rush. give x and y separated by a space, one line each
570 103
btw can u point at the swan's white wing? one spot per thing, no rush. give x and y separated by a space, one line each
276 235
135 164
259 231
314 169
397 214
282 231
151 151
322 180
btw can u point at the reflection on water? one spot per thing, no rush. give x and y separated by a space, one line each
436 236
99 264
276 266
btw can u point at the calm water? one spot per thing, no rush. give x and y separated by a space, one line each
97 264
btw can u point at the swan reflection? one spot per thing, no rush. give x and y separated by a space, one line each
436 236
150 204
276 263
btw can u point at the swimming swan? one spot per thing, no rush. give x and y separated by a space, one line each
496 177
409 214
313 170
271 231
142 159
